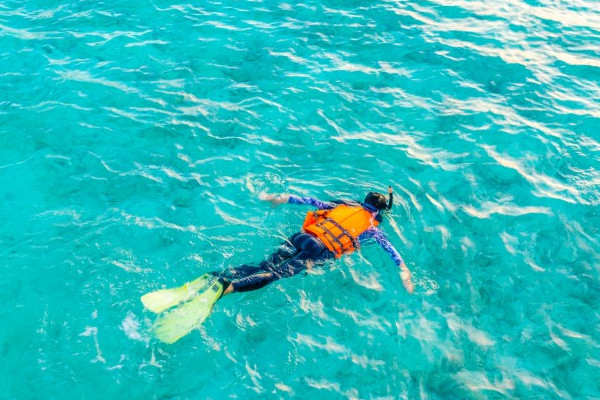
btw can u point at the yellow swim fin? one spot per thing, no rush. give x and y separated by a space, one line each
175 324
166 298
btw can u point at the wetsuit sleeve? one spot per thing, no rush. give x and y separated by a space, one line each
383 241
311 201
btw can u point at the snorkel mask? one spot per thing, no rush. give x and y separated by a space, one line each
378 201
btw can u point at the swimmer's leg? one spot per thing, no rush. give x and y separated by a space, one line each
306 252
263 278
284 253
252 282
297 264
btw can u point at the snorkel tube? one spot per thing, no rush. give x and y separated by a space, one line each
390 198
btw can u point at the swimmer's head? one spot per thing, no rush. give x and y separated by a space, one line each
377 200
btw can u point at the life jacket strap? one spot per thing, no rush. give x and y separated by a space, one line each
330 236
343 231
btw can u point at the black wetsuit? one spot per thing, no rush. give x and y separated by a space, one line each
290 259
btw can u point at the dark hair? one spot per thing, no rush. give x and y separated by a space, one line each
376 200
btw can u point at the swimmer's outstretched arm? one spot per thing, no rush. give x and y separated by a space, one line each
277 199
383 241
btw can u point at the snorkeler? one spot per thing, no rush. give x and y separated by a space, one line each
335 229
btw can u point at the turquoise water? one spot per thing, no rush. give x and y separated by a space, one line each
135 138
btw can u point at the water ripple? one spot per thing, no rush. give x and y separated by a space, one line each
136 138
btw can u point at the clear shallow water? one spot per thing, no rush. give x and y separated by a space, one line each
135 138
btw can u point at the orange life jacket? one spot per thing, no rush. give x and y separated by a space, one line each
340 227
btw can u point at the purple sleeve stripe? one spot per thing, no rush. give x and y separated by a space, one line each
383 241
311 201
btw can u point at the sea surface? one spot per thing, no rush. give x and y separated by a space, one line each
136 138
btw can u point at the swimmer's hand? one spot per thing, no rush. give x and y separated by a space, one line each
275 199
405 275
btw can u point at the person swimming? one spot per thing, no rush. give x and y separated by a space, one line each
336 228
